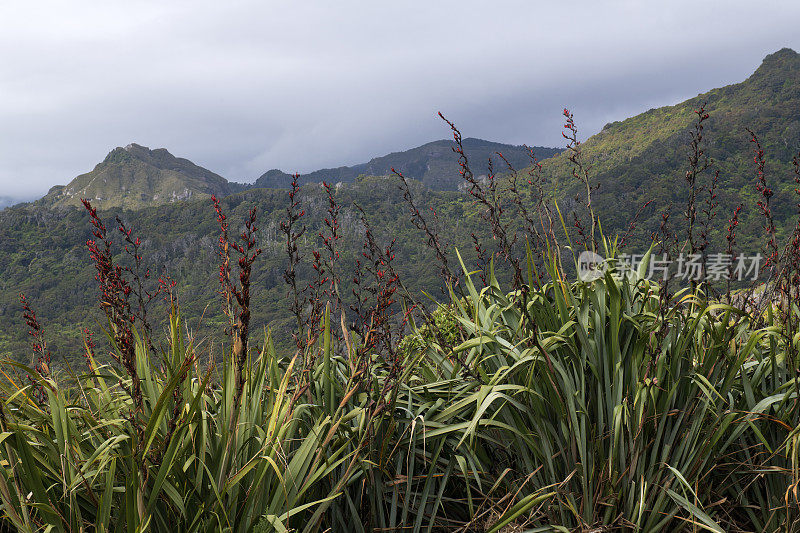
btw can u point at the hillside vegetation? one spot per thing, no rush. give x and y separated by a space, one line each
136 176
429 363
556 406
644 158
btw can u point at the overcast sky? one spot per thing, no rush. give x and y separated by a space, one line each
241 87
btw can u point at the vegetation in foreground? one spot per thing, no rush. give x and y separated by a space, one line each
537 405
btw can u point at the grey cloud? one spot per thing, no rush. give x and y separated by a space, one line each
241 87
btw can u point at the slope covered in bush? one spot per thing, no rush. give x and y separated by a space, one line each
573 406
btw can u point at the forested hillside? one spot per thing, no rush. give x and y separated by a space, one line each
632 162
43 253
645 158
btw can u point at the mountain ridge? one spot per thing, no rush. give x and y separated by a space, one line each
434 164
645 157
135 176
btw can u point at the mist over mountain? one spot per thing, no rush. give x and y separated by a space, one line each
6 201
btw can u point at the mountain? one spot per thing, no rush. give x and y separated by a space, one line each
434 164
136 176
645 157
